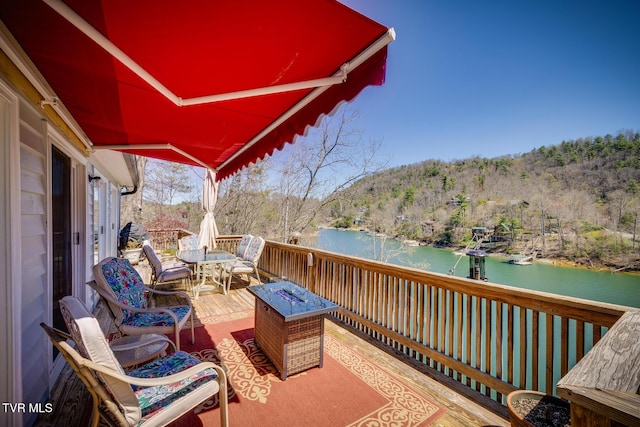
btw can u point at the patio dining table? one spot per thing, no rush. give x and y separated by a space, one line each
206 264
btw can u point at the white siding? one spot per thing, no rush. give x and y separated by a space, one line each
35 253
10 339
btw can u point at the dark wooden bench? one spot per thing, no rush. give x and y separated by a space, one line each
603 387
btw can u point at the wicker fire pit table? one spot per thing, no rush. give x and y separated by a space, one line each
289 326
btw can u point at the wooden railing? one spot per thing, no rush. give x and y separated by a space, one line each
228 243
490 337
493 338
166 239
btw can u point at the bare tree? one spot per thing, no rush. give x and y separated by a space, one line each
381 228
165 181
132 204
618 201
320 168
243 205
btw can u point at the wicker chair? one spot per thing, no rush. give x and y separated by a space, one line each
121 288
154 394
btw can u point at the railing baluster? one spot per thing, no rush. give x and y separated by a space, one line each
510 343
597 334
523 348
436 321
579 339
478 323
450 327
459 309
487 335
498 359
549 353
428 318
468 334
564 346
534 349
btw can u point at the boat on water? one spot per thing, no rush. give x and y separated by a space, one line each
519 259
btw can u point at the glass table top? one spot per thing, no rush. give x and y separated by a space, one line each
292 301
198 255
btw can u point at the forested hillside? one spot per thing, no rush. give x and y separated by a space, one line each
578 200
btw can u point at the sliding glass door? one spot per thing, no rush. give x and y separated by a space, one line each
62 270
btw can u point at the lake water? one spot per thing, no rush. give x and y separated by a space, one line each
615 288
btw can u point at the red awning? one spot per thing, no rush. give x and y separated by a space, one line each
160 78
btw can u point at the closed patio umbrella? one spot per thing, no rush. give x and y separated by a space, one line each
208 227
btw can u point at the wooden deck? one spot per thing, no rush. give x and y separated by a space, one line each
464 407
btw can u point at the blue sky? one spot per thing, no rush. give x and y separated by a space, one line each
499 77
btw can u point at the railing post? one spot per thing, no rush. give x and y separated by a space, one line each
311 272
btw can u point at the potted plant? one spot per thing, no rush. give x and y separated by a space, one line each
132 252
529 408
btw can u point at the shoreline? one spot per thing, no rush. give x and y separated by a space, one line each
556 261
561 262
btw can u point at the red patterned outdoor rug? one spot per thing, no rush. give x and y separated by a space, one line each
349 390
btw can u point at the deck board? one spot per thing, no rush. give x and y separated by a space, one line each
464 407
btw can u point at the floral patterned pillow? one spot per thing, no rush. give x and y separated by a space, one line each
152 399
189 243
125 282
243 245
255 249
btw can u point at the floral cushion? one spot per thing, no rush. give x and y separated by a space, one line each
152 399
243 245
189 243
145 320
254 250
125 282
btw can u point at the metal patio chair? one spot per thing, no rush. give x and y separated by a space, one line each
248 264
154 394
163 273
126 297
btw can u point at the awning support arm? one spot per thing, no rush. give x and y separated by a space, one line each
76 20
384 40
152 147
308 84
